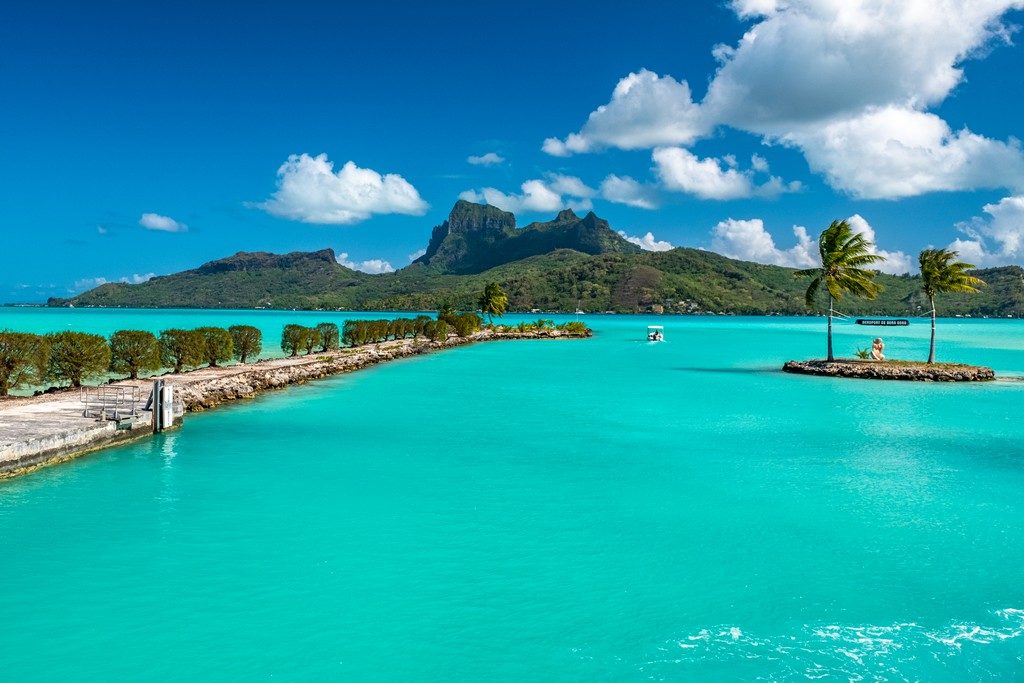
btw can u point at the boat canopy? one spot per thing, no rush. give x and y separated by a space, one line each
655 327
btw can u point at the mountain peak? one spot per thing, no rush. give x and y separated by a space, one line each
479 236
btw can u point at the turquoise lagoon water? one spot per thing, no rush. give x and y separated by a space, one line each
604 509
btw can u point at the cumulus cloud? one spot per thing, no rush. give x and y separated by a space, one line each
416 254
646 110
489 159
748 240
626 190
374 266
92 282
309 190
648 242
682 171
552 193
154 221
847 83
895 263
997 239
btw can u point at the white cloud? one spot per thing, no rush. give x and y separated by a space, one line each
681 171
416 254
646 110
895 263
648 242
489 159
996 240
626 190
847 83
747 240
309 190
553 193
895 152
154 221
374 266
92 282
102 230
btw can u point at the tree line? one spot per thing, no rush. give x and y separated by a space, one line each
76 357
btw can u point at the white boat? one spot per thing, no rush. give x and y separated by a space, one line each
655 333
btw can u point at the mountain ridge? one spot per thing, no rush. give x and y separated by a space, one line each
562 264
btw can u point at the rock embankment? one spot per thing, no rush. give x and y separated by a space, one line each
207 390
914 372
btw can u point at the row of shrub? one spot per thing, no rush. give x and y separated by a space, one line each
73 357
359 332
574 327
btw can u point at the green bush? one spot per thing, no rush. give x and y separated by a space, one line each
218 345
134 351
182 348
246 341
293 338
310 339
574 327
440 331
329 336
77 356
24 359
466 324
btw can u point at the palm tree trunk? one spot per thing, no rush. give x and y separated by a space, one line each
931 347
830 302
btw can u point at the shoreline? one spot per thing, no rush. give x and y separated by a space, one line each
48 429
891 370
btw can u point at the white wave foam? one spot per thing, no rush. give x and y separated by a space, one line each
853 651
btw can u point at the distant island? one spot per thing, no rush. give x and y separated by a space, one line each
566 264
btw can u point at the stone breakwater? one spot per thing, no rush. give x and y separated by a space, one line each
44 430
203 393
892 371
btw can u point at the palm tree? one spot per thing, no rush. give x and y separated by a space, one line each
844 253
942 273
493 301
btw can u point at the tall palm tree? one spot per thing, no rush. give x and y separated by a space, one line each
493 301
844 253
942 273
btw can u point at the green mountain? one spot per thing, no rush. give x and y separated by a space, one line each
563 264
477 237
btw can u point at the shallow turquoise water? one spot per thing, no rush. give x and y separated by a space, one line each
600 509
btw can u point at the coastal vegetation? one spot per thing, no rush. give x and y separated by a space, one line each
493 301
566 264
942 273
293 339
77 356
330 337
180 348
246 341
134 351
24 359
218 345
845 255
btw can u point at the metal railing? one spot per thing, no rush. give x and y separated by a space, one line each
110 402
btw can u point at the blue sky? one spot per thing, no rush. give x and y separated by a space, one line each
141 140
